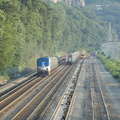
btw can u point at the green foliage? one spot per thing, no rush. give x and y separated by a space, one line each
6 41
111 65
110 12
32 29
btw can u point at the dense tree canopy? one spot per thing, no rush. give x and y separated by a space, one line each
31 29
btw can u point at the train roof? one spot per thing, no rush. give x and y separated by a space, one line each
46 58
43 58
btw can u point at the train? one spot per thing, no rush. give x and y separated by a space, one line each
72 57
45 65
83 54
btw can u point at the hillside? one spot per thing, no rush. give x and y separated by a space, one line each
108 11
31 29
102 1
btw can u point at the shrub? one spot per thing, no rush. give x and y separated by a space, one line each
110 65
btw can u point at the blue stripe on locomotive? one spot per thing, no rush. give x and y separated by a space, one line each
44 61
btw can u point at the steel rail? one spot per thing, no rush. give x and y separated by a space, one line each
64 94
17 83
94 96
73 97
105 105
34 99
4 110
19 79
14 96
37 110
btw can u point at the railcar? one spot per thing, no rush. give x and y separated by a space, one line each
46 65
69 58
72 57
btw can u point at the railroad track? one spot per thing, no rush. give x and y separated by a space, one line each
90 100
15 86
99 109
92 105
23 80
18 94
62 110
41 99
16 105
8 87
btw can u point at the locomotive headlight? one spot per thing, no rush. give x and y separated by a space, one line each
39 68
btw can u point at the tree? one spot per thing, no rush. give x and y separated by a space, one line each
6 42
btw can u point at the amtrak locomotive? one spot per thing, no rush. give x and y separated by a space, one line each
45 65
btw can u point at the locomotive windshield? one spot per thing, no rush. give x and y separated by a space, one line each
43 62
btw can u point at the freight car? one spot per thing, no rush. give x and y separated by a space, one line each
72 57
45 65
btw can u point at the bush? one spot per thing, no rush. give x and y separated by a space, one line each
2 78
110 65
115 74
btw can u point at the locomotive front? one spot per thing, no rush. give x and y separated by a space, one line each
43 66
69 58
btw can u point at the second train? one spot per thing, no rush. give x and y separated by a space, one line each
72 57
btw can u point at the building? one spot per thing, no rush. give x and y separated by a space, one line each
71 2
82 2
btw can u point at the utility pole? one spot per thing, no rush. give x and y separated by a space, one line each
110 33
